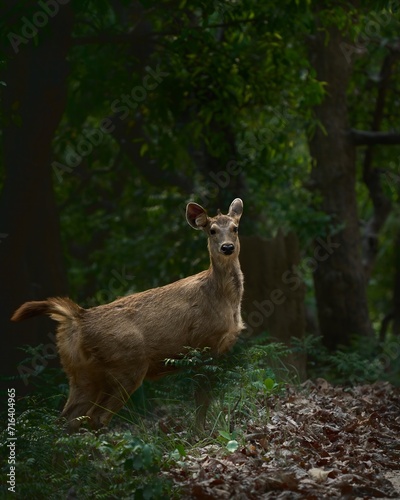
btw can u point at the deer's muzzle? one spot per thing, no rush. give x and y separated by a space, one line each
227 248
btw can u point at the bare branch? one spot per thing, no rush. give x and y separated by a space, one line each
371 138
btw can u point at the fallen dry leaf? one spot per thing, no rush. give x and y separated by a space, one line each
320 441
318 475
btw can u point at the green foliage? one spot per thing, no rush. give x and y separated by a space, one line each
120 464
193 359
52 464
237 86
240 382
126 461
361 363
352 368
238 90
36 369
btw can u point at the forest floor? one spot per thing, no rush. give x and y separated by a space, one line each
320 441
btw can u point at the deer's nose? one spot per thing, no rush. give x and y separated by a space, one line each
227 248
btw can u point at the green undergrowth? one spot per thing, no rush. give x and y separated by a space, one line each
156 428
364 361
52 464
128 459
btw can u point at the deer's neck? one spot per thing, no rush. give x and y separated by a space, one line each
227 278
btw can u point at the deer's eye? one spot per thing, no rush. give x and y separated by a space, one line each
213 231
235 229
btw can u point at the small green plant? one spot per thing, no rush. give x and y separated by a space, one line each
194 360
241 382
229 440
350 367
178 453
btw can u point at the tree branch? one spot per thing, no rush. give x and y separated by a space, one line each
385 325
372 138
372 176
128 38
106 38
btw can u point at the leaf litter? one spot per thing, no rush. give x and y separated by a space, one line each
318 441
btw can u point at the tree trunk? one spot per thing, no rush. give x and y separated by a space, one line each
273 300
31 264
340 284
396 287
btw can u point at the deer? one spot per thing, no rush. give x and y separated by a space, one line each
108 350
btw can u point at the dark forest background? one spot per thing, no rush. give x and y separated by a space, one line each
116 113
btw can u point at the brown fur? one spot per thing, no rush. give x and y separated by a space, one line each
107 351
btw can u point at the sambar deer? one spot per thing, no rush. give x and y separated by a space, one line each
107 351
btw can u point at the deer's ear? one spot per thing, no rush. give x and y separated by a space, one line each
196 216
236 209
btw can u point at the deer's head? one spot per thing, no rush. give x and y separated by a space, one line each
221 230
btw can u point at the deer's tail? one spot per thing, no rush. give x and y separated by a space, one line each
60 309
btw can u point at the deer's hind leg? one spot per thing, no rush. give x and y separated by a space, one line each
82 393
113 396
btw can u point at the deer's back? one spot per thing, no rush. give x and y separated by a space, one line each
160 322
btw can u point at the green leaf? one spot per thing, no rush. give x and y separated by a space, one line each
144 148
181 450
232 445
269 384
225 435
